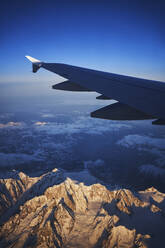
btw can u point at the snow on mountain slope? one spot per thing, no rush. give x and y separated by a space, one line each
54 211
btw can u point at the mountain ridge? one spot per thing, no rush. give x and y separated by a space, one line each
54 211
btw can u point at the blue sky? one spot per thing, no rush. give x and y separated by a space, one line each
120 36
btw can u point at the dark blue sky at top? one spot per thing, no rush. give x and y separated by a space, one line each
122 36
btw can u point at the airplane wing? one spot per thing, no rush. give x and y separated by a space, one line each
138 99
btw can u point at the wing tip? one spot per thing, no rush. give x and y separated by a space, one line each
33 60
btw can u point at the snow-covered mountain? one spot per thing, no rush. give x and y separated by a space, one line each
54 211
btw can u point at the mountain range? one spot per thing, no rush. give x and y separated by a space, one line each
54 211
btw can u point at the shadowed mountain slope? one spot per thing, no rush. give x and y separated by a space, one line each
54 211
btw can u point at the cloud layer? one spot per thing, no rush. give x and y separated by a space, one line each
83 124
10 124
142 140
11 159
152 170
152 145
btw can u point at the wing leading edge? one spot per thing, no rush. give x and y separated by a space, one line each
139 98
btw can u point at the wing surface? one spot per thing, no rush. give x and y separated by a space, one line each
146 96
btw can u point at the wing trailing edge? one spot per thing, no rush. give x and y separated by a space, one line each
119 111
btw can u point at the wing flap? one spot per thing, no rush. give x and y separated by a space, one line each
119 111
69 86
103 97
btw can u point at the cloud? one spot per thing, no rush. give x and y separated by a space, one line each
83 176
85 125
11 159
139 140
10 124
150 169
54 142
6 115
40 123
47 115
96 163
155 146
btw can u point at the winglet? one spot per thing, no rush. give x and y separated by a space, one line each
36 64
33 60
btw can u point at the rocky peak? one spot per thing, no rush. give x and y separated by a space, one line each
54 211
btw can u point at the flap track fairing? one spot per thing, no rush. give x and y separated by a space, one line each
69 86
